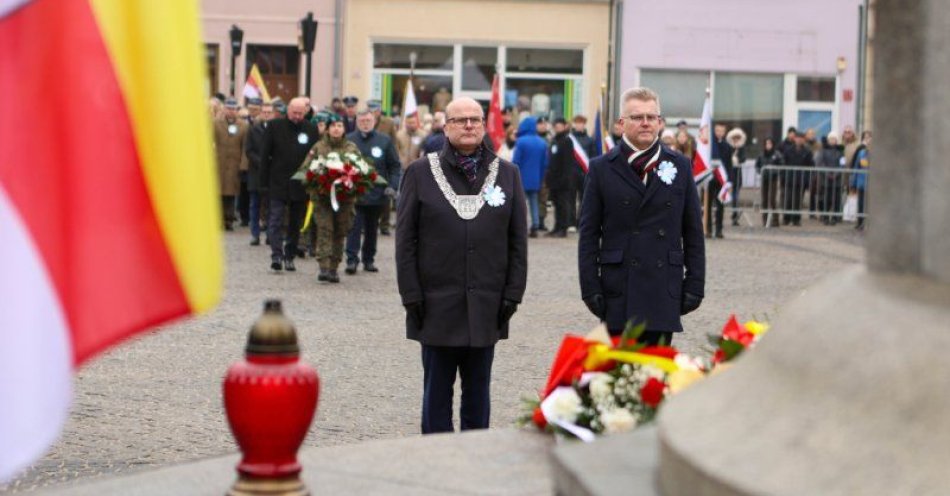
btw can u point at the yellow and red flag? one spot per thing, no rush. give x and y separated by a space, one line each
109 222
255 87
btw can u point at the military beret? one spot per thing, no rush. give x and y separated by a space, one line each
350 101
255 101
321 116
333 117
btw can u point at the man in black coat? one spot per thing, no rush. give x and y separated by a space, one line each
462 264
560 177
640 227
286 143
380 151
579 132
253 148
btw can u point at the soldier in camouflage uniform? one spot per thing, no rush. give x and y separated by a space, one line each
332 227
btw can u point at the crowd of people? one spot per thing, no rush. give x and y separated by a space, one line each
260 146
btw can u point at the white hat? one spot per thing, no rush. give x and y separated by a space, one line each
734 134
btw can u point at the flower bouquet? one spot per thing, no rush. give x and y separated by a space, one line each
340 176
602 385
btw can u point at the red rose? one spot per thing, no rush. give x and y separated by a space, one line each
372 176
652 392
538 418
734 331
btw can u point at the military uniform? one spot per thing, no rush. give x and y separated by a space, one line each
229 140
332 227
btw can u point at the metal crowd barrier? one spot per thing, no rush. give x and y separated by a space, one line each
831 194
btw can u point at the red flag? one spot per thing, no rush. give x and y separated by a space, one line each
496 126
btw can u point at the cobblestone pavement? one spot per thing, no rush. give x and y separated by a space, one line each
156 400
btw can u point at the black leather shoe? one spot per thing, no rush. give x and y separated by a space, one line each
370 268
324 275
276 266
333 277
385 232
351 268
289 265
255 241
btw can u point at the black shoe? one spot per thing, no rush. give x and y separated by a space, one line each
542 227
276 266
301 253
368 267
324 275
228 227
735 223
560 233
351 268
289 265
385 232
333 277
255 241
533 233
719 235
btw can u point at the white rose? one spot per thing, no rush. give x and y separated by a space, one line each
566 404
617 420
686 362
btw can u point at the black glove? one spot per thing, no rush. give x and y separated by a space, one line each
508 308
416 312
597 306
689 302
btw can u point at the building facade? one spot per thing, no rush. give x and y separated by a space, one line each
551 56
768 65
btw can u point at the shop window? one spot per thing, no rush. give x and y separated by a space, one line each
815 89
537 97
752 102
545 60
433 93
279 66
397 56
682 93
478 67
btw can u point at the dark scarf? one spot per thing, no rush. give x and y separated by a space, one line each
468 164
644 162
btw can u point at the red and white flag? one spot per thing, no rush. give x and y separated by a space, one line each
580 155
495 124
409 106
107 230
702 157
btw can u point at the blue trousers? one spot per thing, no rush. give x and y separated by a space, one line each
255 213
533 208
366 229
440 365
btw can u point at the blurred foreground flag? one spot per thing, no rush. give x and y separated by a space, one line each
109 221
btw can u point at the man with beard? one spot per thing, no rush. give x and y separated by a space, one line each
640 228
462 264
286 143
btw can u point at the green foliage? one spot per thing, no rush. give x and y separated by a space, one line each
731 348
631 334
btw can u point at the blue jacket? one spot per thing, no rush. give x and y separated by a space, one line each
378 150
861 161
641 246
531 155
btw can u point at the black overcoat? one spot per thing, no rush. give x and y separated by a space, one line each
281 155
252 148
461 269
636 240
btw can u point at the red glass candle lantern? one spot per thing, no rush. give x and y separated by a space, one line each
270 398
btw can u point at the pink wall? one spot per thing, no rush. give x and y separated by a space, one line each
802 36
271 23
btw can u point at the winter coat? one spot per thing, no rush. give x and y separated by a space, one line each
229 151
636 241
379 151
460 269
286 143
531 155
562 166
774 158
861 161
252 149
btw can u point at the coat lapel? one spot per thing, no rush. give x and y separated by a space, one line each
623 169
653 184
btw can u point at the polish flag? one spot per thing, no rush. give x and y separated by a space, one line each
579 154
495 123
409 106
703 167
107 229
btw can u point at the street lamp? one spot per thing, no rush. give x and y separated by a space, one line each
237 37
308 34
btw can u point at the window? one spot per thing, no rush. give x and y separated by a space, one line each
815 89
752 102
545 60
478 67
397 56
538 97
682 93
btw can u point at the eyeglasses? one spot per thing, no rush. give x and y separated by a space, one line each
640 118
465 121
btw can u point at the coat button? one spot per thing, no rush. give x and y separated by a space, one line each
635 262
669 204
659 264
636 232
662 233
626 202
